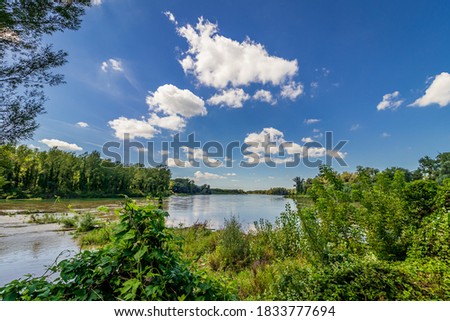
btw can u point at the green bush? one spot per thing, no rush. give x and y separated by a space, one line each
279 240
233 248
69 221
365 279
142 263
198 240
87 222
97 237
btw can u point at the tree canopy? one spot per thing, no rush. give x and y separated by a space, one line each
27 63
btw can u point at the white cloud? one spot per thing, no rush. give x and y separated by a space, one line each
171 122
61 144
257 141
133 127
311 121
218 61
96 2
307 140
437 93
233 98
171 17
31 146
82 124
174 162
385 135
171 100
198 154
230 174
195 153
355 127
316 130
265 96
112 64
206 176
292 90
173 103
390 101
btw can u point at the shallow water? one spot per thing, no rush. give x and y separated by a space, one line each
29 248
188 210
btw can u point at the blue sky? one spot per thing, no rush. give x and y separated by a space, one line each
374 73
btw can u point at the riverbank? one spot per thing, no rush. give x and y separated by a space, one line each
270 262
30 248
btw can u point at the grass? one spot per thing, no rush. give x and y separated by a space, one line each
43 219
97 237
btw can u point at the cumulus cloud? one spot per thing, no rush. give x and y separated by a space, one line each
96 2
198 175
233 98
198 154
258 141
218 61
171 100
133 127
169 109
194 153
311 121
82 124
291 90
171 122
437 93
61 144
175 162
112 64
390 101
265 96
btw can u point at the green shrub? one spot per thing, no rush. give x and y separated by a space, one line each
279 240
43 219
198 240
142 263
97 237
87 222
233 248
69 221
365 279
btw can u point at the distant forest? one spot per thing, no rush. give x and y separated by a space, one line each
28 173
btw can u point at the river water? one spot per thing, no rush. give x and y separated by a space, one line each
30 248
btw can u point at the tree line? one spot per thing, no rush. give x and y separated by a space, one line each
26 173
437 169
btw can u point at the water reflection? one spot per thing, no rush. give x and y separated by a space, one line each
187 210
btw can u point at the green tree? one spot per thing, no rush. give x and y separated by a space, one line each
299 185
26 63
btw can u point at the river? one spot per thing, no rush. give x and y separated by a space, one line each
29 248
